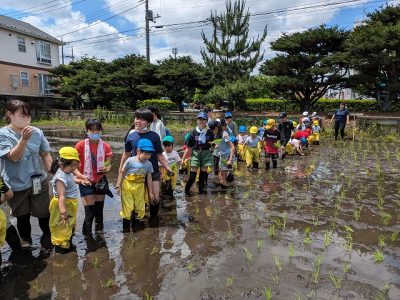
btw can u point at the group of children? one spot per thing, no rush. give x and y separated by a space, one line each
213 143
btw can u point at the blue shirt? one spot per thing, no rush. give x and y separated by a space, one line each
18 174
71 188
134 137
341 115
134 166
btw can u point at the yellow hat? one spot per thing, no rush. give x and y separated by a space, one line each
294 123
315 122
253 129
69 153
270 123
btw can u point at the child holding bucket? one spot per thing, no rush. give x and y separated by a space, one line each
64 204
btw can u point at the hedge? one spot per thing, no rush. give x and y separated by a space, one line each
322 105
161 104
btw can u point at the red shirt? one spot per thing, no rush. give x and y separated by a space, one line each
80 147
300 134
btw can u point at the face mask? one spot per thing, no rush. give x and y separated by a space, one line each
94 136
21 122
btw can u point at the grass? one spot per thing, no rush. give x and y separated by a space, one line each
278 263
248 254
316 273
229 280
267 292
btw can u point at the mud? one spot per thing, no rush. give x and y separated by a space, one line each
307 230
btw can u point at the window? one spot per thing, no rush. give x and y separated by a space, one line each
44 87
43 53
24 76
21 44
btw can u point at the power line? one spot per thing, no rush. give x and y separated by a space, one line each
99 36
29 8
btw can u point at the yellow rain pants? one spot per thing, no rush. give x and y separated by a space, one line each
316 136
3 227
134 196
241 152
252 155
290 149
260 146
61 234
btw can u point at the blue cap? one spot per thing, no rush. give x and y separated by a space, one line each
232 139
242 129
228 114
145 145
168 138
265 122
202 115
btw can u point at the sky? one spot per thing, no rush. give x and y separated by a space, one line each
109 29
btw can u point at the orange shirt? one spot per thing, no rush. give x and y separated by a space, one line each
80 147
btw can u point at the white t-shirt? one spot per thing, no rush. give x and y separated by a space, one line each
295 143
241 138
159 128
172 157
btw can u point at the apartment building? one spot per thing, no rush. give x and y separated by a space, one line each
26 55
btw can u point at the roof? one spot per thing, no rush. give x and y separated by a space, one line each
26 28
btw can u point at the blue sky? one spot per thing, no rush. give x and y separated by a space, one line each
73 15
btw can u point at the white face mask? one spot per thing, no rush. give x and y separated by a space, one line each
20 122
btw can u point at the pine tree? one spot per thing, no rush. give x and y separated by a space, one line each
229 53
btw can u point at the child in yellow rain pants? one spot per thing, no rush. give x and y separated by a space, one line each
64 204
135 176
241 138
316 129
252 149
168 183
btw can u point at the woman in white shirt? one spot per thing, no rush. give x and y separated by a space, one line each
157 125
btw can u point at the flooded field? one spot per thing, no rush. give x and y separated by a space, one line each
324 226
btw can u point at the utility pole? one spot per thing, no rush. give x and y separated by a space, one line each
72 54
174 52
148 17
62 49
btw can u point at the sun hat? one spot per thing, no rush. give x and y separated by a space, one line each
270 123
305 114
253 130
145 145
168 138
314 114
228 114
315 122
202 115
68 153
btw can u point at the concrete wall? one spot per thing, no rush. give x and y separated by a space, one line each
9 50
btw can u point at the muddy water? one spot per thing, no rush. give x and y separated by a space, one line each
308 229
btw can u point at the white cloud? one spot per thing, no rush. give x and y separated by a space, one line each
185 38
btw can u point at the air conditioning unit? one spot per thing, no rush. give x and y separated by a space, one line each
14 80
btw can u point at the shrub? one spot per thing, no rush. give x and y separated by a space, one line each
265 104
323 105
161 104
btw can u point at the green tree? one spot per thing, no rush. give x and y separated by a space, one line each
179 78
229 53
374 52
308 64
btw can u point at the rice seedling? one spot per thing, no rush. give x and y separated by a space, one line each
267 292
291 250
275 278
96 262
381 241
271 231
336 280
307 239
259 244
357 212
394 236
190 266
384 293
315 221
147 296
110 283
378 256
229 280
155 250
327 238
197 210
197 228
248 254
298 295
360 195
36 287
316 273
385 218
229 231
284 219
346 267
278 263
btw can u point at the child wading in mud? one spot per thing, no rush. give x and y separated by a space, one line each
64 204
133 178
